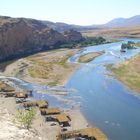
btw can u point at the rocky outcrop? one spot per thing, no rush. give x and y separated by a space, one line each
14 38
73 36
20 36
49 38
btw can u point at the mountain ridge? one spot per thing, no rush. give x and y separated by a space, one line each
124 22
21 36
61 27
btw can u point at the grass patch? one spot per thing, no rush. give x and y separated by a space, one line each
63 62
51 66
137 44
121 71
54 83
129 73
38 72
109 66
25 117
42 69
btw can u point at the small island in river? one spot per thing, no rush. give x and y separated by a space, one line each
89 57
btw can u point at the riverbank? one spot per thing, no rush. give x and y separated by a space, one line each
129 72
47 68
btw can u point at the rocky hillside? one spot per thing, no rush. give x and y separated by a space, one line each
20 36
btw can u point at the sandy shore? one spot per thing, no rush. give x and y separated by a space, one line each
9 130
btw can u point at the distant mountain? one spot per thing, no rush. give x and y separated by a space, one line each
115 23
61 27
118 28
124 22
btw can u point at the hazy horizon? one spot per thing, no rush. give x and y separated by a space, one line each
79 12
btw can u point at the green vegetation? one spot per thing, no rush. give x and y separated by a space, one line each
109 66
129 45
63 62
42 68
88 41
137 44
51 67
121 71
93 41
38 71
25 117
52 84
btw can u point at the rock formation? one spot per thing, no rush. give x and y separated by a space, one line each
20 36
72 35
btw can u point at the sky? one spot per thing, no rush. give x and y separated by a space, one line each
80 12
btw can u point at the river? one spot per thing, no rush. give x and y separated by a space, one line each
106 102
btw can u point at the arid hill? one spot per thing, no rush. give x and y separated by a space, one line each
117 28
124 22
20 36
123 32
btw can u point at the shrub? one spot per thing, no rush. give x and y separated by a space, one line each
25 117
129 45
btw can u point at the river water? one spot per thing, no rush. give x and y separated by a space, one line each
106 102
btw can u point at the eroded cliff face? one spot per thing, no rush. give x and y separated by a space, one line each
48 38
72 35
20 37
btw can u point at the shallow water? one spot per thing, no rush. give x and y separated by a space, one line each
56 96
105 101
